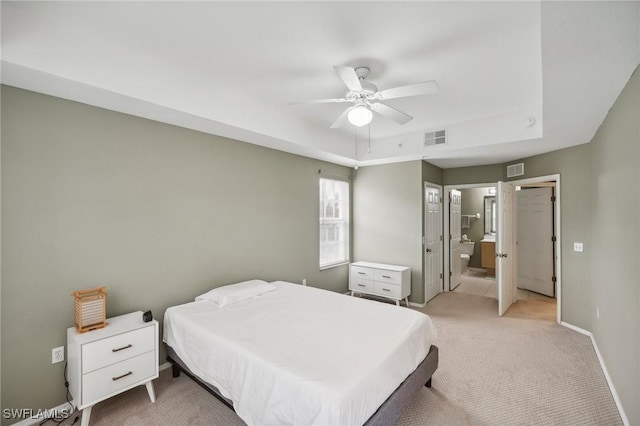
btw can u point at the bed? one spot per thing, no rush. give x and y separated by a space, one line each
282 353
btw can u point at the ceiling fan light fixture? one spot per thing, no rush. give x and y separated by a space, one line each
360 116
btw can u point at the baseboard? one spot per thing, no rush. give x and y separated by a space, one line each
417 305
164 366
578 329
37 419
612 388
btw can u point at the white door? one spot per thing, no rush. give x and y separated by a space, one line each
505 246
455 227
432 244
535 244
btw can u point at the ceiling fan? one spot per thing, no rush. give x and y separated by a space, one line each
366 97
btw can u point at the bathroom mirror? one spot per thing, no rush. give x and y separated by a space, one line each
490 215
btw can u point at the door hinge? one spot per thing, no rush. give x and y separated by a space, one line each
553 238
450 273
441 238
554 279
450 237
553 198
440 275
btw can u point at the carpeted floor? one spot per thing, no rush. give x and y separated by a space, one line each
493 371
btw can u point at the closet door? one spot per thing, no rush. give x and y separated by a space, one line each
432 243
535 240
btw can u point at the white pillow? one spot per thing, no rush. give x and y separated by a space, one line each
232 293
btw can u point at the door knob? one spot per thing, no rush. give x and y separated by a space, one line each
428 250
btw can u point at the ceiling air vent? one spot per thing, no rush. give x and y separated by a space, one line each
439 137
515 170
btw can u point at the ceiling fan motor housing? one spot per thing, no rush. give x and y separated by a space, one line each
362 72
369 89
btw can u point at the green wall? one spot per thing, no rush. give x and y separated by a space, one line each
156 213
387 210
431 173
614 251
475 174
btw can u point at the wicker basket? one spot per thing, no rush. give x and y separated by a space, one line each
91 309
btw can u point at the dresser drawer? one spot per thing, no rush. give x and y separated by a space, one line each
117 348
392 277
105 381
362 272
388 290
360 284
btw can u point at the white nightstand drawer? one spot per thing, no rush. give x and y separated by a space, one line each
359 284
107 380
389 290
117 348
361 272
393 277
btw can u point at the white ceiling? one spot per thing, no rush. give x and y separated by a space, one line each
231 68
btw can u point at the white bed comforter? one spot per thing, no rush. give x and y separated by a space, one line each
299 355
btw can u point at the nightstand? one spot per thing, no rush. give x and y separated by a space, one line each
108 361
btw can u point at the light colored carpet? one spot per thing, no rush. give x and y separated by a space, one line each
493 371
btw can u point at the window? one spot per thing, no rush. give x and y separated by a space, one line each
334 222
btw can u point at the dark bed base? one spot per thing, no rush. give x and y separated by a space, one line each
387 414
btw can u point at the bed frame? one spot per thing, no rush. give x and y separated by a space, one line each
387 414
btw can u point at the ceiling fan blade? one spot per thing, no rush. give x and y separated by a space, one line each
424 88
319 101
391 113
349 78
342 119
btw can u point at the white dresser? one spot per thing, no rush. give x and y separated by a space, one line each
105 362
390 281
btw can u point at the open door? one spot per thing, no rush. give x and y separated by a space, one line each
535 240
432 243
455 226
505 246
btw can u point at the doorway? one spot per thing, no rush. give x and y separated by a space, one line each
455 212
508 264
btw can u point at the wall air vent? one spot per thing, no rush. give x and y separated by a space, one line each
438 137
515 170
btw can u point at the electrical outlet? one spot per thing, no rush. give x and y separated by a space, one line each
578 247
304 281
57 355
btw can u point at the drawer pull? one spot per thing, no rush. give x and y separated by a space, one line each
361 285
386 289
386 276
120 377
362 273
119 349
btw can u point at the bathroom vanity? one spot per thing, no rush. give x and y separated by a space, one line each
488 256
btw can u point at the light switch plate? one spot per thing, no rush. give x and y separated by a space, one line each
578 247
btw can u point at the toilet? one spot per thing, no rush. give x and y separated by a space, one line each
466 251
